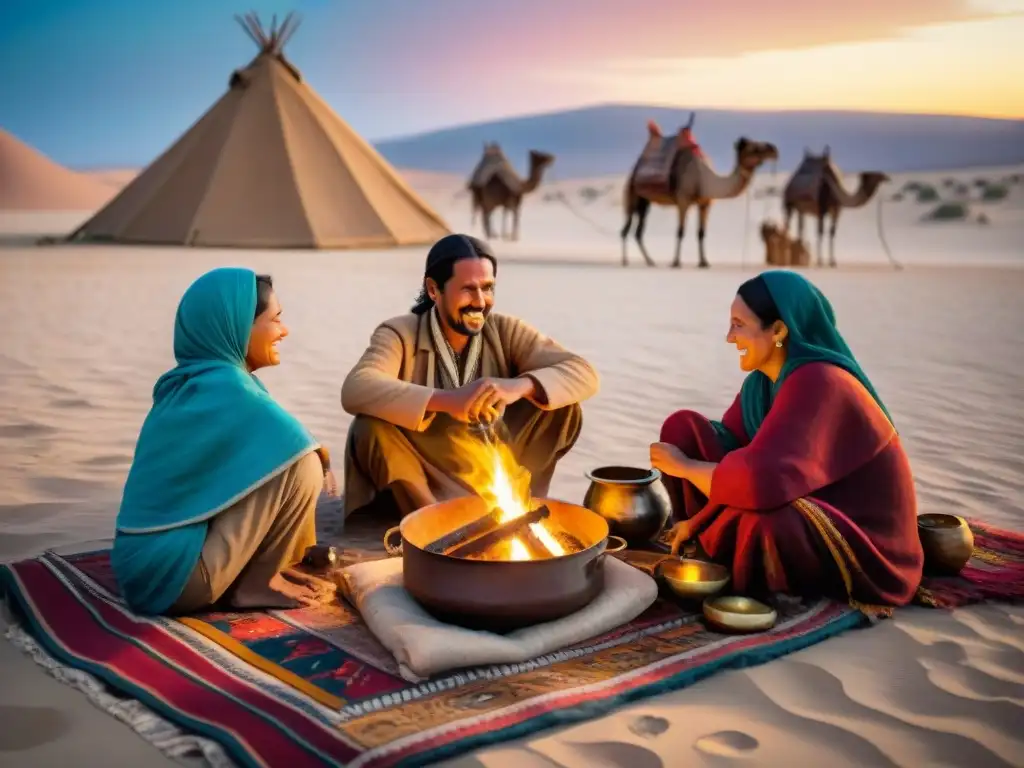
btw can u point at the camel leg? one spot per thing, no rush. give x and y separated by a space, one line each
821 239
504 223
515 223
702 211
677 261
788 217
832 239
643 207
629 205
485 215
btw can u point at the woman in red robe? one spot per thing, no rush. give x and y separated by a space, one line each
803 487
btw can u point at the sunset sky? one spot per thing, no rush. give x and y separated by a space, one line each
113 82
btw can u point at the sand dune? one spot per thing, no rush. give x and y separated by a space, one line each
31 181
92 330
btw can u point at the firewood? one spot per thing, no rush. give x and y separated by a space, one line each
467 532
502 531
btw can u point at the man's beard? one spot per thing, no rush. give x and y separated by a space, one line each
456 322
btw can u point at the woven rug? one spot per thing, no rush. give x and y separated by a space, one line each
313 687
994 572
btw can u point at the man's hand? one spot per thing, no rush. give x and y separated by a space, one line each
482 400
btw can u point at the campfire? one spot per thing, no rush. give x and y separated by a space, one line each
517 527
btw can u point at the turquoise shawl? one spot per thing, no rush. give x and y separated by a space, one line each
213 435
813 338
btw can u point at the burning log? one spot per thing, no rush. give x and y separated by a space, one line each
528 544
466 533
569 542
501 531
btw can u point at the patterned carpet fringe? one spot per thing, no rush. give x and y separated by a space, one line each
166 737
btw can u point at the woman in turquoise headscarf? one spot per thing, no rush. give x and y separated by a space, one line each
803 486
220 500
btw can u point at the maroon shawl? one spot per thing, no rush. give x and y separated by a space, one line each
821 500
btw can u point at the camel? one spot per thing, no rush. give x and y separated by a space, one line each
780 249
674 171
495 184
816 189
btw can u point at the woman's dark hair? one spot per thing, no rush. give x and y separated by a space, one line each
755 294
264 289
441 261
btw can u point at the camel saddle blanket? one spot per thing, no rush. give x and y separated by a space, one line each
494 164
813 171
653 172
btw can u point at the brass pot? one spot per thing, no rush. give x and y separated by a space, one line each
625 497
947 541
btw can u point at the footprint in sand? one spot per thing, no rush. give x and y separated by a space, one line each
648 726
726 744
28 727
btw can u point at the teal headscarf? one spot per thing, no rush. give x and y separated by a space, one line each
813 338
213 435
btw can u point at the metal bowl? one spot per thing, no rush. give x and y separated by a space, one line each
500 595
947 541
693 579
739 614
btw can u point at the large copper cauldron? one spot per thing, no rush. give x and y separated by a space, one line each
500 595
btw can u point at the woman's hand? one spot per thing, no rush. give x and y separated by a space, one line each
668 459
331 484
680 535
330 481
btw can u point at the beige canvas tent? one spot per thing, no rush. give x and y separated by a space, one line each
270 165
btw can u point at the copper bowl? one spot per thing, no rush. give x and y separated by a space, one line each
947 541
693 579
738 614
500 595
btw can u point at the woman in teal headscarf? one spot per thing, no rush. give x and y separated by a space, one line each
803 486
221 495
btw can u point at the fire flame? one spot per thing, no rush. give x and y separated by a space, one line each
513 502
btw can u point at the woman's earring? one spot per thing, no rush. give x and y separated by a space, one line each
778 343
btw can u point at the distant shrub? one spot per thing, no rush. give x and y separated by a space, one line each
983 219
993 192
590 194
897 198
948 182
949 212
979 182
926 193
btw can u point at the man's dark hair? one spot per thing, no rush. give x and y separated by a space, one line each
441 260
264 289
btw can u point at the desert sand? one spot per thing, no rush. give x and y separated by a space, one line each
89 330
30 181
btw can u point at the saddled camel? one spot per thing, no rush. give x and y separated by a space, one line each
674 171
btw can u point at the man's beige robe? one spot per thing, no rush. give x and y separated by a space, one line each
394 378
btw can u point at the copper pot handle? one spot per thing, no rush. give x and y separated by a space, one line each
619 545
390 548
